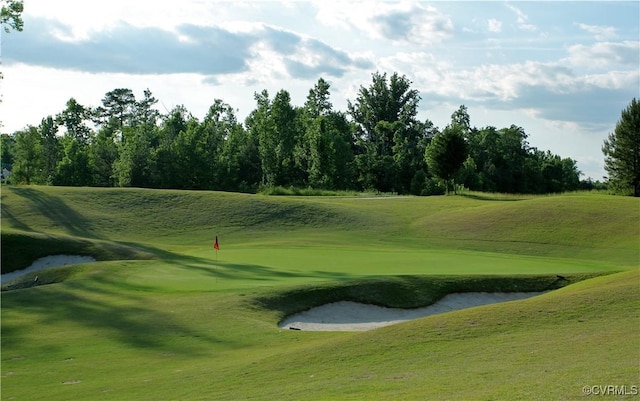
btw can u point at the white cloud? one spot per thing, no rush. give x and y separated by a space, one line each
614 80
522 19
87 17
599 32
605 54
399 22
494 25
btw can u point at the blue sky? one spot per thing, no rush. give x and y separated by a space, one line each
561 70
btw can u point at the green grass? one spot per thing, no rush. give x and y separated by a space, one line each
295 191
163 317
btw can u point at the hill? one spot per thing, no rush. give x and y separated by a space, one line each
163 316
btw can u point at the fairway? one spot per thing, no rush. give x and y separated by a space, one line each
162 315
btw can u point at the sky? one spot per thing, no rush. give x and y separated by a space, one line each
563 71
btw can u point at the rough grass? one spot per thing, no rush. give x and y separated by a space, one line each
190 323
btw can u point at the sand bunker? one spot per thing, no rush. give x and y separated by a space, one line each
352 316
46 262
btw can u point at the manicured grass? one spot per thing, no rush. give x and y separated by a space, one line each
164 317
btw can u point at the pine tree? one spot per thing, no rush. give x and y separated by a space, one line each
622 151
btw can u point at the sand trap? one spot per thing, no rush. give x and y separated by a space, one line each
46 262
352 316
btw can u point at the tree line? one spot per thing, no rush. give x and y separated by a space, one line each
378 144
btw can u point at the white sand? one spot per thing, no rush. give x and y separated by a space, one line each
352 316
46 262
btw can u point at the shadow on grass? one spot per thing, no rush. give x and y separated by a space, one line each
104 307
8 215
234 271
247 272
490 197
57 211
21 249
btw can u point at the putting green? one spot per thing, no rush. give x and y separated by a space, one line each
247 267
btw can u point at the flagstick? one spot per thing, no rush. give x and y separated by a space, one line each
216 247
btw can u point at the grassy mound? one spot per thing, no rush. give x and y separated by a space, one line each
165 316
20 249
408 291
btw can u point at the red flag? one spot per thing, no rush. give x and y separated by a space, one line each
216 246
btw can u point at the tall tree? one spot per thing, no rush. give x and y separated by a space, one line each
274 124
73 169
385 117
74 118
287 135
240 161
446 153
325 151
51 148
386 99
261 127
144 113
103 152
622 150
28 160
165 162
118 108
462 119
7 146
318 103
219 123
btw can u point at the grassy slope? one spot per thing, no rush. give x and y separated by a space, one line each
180 326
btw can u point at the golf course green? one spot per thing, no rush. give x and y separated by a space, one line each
162 315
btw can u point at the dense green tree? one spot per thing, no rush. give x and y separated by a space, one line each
74 118
559 175
240 161
446 153
409 144
467 175
144 113
73 169
133 166
318 103
103 153
275 124
51 148
325 149
11 15
512 151
462 119
219 123
386 125
164 161
387 100
28 161
330 156
118 109
382 146
188 151
622 151
504 162
287 135
261 126
7 146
